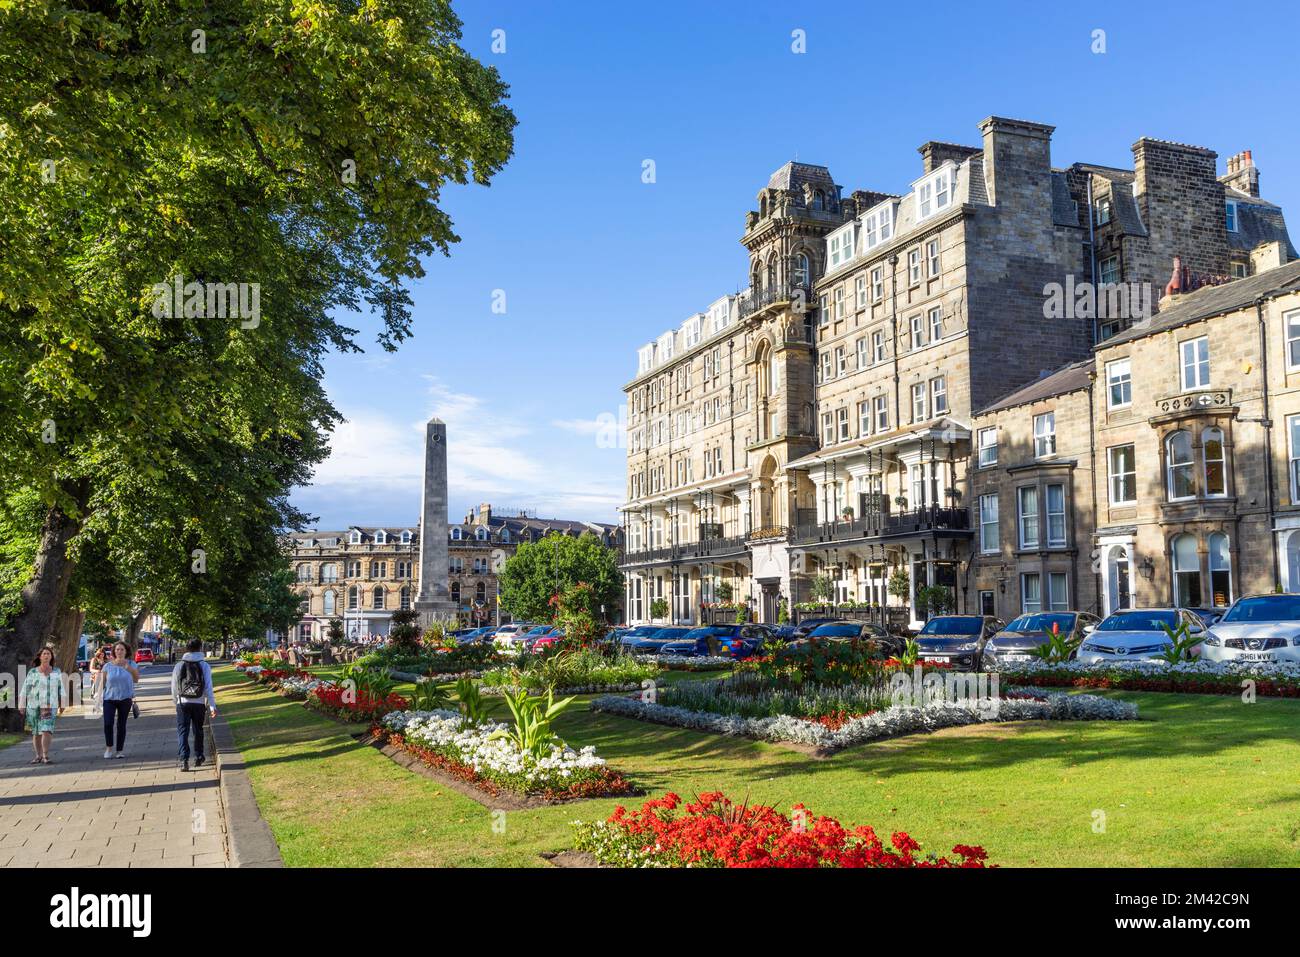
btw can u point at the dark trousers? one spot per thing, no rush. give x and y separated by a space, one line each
190 716
116 711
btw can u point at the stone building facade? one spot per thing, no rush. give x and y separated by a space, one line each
819 425
1192 424
363 574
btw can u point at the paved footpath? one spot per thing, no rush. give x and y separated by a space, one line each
83 811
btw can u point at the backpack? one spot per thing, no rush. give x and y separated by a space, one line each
192 684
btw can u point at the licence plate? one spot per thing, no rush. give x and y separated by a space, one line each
1015 657
1257 656
941 659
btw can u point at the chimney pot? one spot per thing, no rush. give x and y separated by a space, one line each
1248 160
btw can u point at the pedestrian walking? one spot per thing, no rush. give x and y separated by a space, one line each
192 692
43 698
117 690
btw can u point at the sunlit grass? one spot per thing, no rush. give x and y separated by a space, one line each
1202 780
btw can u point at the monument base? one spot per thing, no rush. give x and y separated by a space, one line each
435 610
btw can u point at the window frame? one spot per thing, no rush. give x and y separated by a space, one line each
1112 475
1200 363
986 522
1025 517
1124 383
983 447
1046 435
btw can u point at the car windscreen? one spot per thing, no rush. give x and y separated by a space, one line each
953 626
1139 621
835 631
1042 623
1264 608
697 633
665 633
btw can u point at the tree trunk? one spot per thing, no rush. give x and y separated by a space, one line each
135 624
67 628
42 598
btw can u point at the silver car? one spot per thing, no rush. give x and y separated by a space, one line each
1137 634
1257 628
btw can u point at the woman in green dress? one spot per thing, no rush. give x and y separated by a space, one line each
43 699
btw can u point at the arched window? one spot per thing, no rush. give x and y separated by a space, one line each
1220 571
1178 463
378 599
771 273
505 534
819 200
327 604
354 537
801 271
455 534
377 569
352 569
329 572
406 538
480 592
1212 449
1187 571
354 597
304 573
381 537
455 592
481 534
404 598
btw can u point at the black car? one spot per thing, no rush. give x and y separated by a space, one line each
652 644
808 624
853 631
1028 632
732 641
956 639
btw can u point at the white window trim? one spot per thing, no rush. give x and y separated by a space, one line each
1109 365
1111 474
1287 338
1196 363
945 175
980 447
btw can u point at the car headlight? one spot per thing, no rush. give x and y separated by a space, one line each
1087 646
1212 639
1296 641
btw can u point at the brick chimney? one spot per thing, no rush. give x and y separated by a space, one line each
1017 163
484 513
934 154
1242 175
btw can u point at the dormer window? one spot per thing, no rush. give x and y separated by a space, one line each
406 538
381 537
481 534
354 537
1230 216
878 226
839 246
934 192
1103 211
455 534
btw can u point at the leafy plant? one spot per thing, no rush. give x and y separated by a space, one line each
532 732
659 608
900 584
934 599
782 613
429 696
723 591
471 701
1057 648
822 588
911 651
1182 643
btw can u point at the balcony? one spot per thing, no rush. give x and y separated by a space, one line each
705 549
931 518
762 298
1192 403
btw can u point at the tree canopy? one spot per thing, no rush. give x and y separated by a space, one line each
277 164
539 570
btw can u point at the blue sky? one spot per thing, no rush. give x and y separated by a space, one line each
593 262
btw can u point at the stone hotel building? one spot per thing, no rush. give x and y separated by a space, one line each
823 422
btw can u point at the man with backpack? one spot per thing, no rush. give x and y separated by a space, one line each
192 692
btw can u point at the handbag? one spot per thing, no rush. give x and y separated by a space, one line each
135 709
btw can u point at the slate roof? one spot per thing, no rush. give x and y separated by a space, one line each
1215 301
1258 221
793 175
1069 378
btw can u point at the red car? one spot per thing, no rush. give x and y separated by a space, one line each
144 656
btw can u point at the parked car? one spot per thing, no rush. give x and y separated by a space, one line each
1208 616
652 644
144 656
736 641
1137 634
808 624
632 635
512 635
475 636
1256 628
841 631
1022 635
542 642
956 639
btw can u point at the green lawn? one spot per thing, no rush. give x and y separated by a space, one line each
8 739
1202 781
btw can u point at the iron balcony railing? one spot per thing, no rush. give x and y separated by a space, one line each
884 525
704 548
761 298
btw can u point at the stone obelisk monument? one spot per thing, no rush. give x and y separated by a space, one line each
433 600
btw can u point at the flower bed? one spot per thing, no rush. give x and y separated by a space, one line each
570 670
501 690
688 662
714 832
447 741
430 662
1186 677
352 704
887 722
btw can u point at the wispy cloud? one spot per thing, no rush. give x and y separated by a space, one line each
376 462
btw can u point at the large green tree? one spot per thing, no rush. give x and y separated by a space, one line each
539 570
298 148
